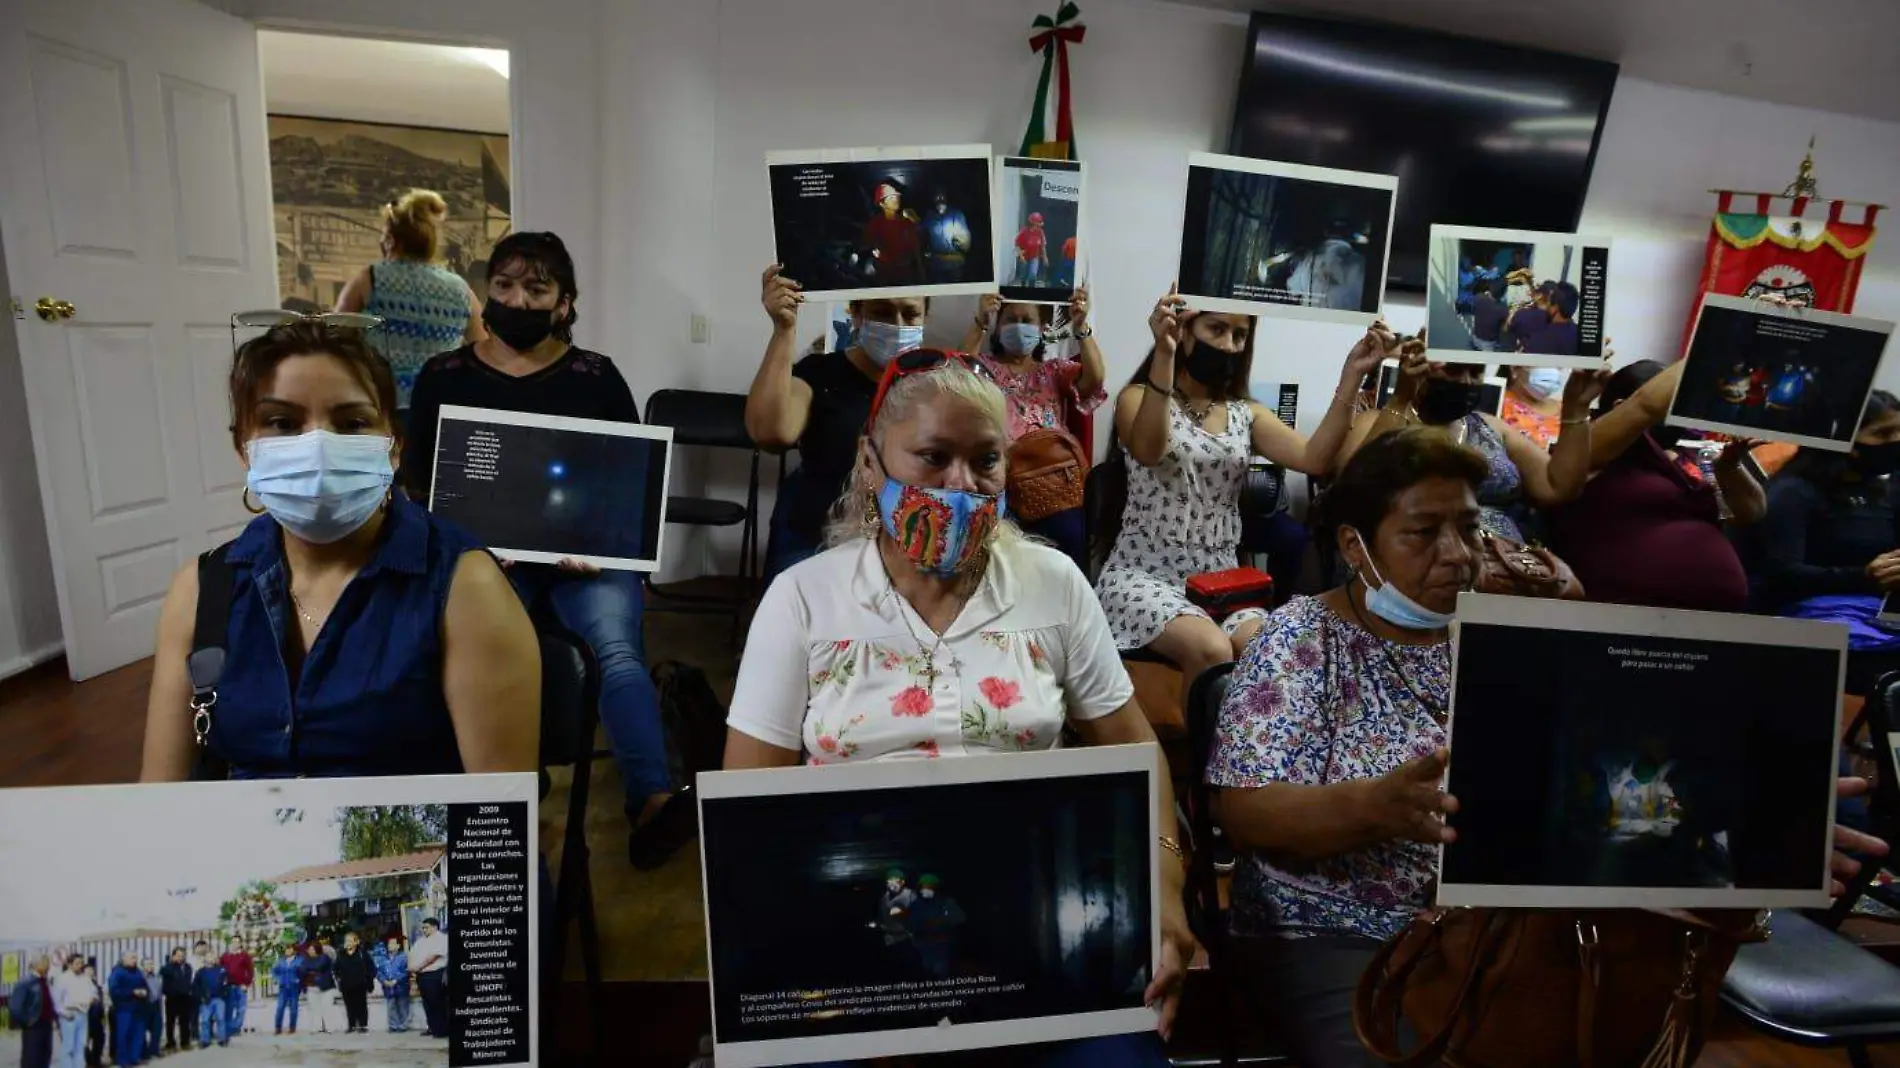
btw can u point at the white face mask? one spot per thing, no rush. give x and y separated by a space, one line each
321 487
1543 382
1019 339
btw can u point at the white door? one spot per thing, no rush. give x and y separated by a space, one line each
135 187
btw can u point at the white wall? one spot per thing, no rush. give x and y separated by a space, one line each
29 604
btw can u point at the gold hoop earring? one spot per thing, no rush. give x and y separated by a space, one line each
245 499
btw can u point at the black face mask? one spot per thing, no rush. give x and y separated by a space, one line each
1442 400
1874 461
518 328
1209 366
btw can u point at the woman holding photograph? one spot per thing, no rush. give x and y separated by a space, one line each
1522 474
363 637
1186 431
818 404
1040 390
932 628
529 363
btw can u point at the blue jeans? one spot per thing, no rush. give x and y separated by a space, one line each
397 1005
72 1043
287 1002
211 1023
1065 530
783 545
1112 1051
128 1031
154 1028
235 1003
605 612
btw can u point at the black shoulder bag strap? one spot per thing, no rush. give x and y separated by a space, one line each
206 663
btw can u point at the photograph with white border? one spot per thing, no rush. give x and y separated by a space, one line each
1610 756
1769 372
947 919
540 489
1039 224
1284 240
390 921
1516 297
872 223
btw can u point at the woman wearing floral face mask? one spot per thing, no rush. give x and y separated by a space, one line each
932 628
819 404
365 637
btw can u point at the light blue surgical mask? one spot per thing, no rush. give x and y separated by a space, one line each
1019 339
1386 602
1541 382
884 342
320 486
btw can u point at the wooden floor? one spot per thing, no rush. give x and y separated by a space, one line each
57 733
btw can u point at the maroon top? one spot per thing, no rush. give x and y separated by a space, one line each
1647 532
238 969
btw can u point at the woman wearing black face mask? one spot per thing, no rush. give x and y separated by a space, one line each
530 364
1522 474
1648 528
1828 547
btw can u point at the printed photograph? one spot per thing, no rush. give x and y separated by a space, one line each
945 919
1039 213
540 488
1264 238
1641 786
303 932
851 224
1521 297
1773 373
330 180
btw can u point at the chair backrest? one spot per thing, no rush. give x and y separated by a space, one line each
570 695
701 418
1881 713
1205 696
1262 496
1104 491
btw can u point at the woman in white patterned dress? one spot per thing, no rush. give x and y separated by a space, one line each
1188 429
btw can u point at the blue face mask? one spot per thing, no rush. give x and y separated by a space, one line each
884 342
321 487
1396 608
1019 339
1543 381
938 529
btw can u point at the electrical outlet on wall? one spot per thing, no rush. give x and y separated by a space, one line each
701 330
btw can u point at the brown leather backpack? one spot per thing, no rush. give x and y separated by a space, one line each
1551 988
1047 471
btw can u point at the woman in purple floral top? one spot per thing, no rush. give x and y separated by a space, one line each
1330 746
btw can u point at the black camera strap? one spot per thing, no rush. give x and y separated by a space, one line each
216 579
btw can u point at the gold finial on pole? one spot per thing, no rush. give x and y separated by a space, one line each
1804 184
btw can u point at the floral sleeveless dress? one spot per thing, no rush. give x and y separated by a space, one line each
1182 519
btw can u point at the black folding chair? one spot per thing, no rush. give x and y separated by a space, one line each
570 702
1807 984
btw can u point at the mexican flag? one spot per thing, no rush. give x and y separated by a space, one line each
1051 130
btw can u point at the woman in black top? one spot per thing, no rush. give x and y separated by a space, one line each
528 363
1828 547
355 974
819 404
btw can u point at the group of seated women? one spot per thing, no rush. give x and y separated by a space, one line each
911 617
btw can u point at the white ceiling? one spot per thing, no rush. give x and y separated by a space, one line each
382 81
1837 55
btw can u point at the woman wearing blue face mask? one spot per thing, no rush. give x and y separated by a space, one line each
364 636
818 404
931 628
1330 745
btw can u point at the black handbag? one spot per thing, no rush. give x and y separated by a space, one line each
205 666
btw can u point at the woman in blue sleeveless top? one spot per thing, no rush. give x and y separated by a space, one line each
425 307
366 637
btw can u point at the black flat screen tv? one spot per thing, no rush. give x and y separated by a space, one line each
1478 133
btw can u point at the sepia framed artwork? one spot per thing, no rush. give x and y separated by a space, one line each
330 179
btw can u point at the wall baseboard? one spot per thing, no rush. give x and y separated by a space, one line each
31 659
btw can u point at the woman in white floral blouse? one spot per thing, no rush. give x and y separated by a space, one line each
1330 745
932 628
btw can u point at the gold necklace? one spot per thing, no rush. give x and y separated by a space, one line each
930 654
295 602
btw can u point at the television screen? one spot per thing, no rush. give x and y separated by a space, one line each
1478 134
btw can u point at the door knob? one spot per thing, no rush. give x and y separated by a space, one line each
51 309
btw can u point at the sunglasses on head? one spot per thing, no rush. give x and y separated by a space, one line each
917 361
269 318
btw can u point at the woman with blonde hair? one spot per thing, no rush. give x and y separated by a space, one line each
425 307
932 628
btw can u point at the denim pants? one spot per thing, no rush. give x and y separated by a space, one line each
128 1034
72 1042
287 1003
397 1004
154 1028
235 1004
1066 530
211 1025
605 611
783 545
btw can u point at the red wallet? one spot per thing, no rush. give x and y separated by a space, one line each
1222 593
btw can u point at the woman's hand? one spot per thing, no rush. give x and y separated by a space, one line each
1167 322
1178 949
781 297
1734 453
988 307
1079 309
1407 804
1581 390
1847 839
1373 349
577 567
1414 369
1885 569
